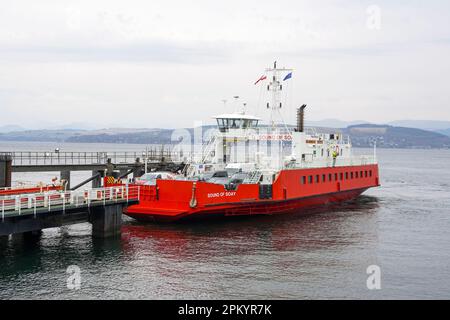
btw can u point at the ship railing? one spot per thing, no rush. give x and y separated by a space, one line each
340 162
60 200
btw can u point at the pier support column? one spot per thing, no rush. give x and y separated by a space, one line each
106 221
5 171
4 239
32 235
65 175
97 182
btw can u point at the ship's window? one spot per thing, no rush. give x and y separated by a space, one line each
365 174
356 173
324 178
341 176
360 174
304 180
310 179
317 178
342 152
370 173
351 175
335 177
330 177
346 176
328 153
322 152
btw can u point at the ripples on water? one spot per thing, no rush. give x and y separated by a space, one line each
402 227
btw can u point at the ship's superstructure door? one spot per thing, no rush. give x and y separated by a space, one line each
265 191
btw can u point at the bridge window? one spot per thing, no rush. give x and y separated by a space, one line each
330 177
341 176
227 123
351 175
304 180
317 178
361 174
310 179
324 178
365 174
335 177
356 173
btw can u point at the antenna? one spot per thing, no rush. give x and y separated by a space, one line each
235 103
274 88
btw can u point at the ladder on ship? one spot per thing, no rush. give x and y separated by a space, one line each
208 149
253 177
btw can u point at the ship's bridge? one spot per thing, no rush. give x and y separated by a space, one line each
229 121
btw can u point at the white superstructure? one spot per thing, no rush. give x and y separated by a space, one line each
241 143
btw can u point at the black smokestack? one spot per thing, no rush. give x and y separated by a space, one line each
301 118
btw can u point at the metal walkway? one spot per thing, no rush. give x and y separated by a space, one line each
55 158
36 204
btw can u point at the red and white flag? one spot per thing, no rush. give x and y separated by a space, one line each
261 79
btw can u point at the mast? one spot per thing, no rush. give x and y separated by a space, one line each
274 88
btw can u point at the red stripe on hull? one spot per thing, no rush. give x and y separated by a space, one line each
269 207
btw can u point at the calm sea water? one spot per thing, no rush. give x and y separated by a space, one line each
403 227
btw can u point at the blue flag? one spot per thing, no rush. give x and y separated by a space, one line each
288 76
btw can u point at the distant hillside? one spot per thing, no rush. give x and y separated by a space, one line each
395 137
39 135
333 123
362 135
10 128
431 125
445 131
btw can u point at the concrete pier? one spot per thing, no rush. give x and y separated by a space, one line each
5 171
4 239
32 235
106 221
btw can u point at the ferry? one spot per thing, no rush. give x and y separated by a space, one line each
247 169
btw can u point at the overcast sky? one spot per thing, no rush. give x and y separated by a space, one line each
170 63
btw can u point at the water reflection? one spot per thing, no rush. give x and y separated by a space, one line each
189 260
309 228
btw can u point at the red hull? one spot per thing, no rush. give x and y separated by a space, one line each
244 209
292 190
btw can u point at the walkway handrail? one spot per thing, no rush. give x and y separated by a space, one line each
62 199
24 158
